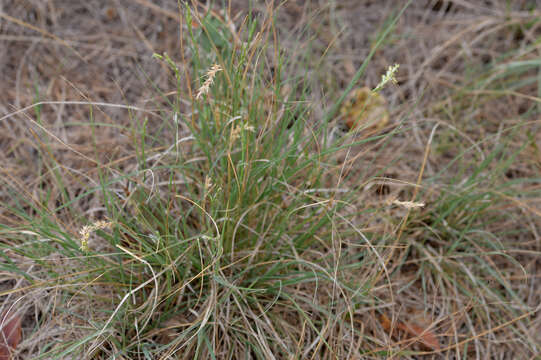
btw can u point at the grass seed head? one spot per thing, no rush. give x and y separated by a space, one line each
211 73
88 229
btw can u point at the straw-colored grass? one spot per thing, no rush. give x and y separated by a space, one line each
172 185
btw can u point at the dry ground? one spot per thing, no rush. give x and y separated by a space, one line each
67 52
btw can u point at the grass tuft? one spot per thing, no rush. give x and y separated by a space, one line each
226 221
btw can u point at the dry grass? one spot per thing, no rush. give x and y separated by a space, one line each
463 139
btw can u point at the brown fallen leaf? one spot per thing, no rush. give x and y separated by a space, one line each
385 323
414 331
424 335
10 334
365 110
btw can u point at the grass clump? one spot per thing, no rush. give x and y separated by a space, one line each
232 225
217 243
